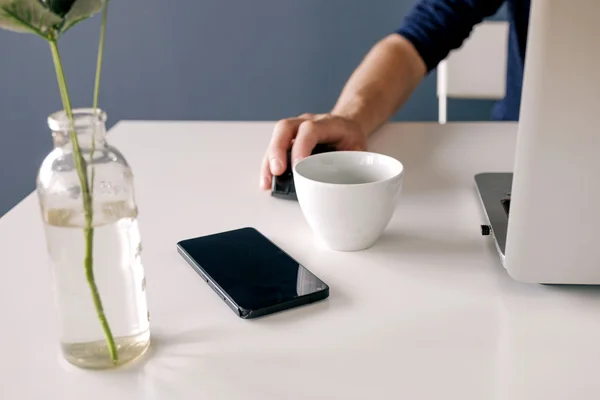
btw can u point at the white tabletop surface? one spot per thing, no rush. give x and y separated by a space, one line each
427 313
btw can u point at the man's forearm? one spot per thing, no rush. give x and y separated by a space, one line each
381 84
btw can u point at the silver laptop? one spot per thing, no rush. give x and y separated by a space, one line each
545 216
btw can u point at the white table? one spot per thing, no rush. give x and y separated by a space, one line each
428 313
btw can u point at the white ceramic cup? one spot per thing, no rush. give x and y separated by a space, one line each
348 197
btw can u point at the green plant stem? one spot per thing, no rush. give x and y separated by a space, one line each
97 83
81 167
100 52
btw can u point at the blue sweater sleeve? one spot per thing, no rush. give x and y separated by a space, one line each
436 27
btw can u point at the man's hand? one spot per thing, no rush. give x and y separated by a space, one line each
302 134
377 88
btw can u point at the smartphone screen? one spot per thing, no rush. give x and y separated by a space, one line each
255 274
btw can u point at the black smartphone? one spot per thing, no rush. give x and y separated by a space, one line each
250 273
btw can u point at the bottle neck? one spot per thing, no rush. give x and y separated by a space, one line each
87 126
85 138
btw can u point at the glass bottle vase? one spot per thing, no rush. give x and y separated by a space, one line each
86 195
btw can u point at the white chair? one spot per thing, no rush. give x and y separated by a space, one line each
477 70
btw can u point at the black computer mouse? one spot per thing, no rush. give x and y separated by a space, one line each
283 185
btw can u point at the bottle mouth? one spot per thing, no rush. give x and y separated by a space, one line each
82 118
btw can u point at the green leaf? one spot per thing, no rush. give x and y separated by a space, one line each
46 18
29 16
81 10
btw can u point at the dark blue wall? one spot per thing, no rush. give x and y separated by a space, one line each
197 60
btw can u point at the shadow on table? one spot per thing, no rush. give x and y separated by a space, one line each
181 345
191 344
408 244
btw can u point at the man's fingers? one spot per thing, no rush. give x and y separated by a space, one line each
306 140
302 134
283 133
265 174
